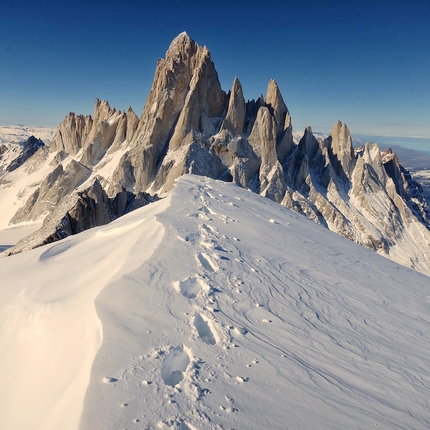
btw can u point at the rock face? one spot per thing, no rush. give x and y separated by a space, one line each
89 137
234 120
79 211
99 166
28 149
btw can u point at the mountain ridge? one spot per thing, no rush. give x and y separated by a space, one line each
214 308
190 125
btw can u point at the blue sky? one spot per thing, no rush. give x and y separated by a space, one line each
366 63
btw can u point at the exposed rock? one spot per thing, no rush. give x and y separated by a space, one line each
341 147
101 166
276 105
72 133
78 212
57 185
235 118
185 89
109 126
284 130
28 149
3 148
94 136
263 142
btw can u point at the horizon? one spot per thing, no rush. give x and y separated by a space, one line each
361 64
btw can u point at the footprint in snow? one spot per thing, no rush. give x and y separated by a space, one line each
206 262
204 330
189 288
174 366
192 238
183 426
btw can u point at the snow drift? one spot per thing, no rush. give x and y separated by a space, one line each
214 308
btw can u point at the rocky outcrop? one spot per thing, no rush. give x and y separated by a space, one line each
263 142
57 185
234 120
342 151
279 110
89 137
78 212
28 149
189 125
72 133
185 100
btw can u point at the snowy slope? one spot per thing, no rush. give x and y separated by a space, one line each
20 133
212 309
16 187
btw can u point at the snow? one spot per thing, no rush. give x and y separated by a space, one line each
22 182
214 308
12 235
51 332
20 133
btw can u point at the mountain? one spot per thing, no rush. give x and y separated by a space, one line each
19 133
213 308
113 162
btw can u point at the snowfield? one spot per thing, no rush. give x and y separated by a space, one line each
214 308
19 133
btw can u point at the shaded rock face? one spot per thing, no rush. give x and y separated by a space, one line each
342 151
28 149
80 211
105 163
58 184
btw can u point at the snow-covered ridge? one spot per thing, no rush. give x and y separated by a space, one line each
99 167
20 133
212 309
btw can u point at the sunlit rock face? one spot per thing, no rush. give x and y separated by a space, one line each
190 125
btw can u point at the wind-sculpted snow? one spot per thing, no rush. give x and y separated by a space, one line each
50 331
243 315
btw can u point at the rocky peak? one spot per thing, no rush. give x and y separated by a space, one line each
132 123
252 107
341 147
235 118
183 45
102 110
71 133
308 145
276 104
28 149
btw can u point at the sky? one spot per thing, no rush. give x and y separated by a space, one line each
365 63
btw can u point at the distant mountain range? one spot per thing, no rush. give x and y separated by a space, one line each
20 133
97 168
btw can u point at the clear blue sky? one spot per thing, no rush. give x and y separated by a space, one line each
366 63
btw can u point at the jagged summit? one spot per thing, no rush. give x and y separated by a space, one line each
189 124
180 40
235 117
